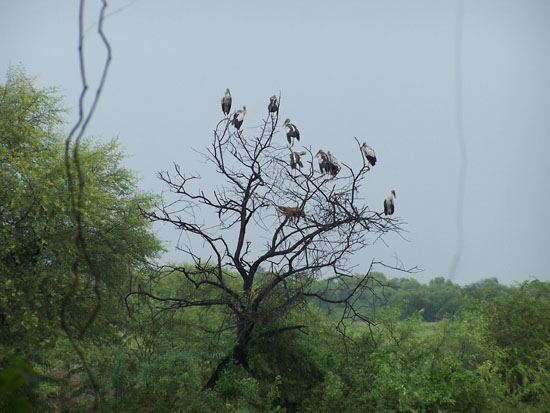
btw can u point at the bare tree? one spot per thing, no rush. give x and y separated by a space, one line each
280 230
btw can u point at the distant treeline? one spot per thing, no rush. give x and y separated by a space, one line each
437 300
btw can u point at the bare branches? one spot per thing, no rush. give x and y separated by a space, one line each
296 225
76 187
311 224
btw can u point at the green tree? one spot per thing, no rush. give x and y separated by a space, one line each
409 295
518 323
487 289
38 257
444 299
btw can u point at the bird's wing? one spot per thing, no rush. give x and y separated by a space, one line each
296 132
332 159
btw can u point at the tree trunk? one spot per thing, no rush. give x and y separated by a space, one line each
216 374
239 354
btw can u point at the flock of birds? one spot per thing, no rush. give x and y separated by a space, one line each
327 161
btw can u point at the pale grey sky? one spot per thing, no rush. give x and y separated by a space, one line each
381 71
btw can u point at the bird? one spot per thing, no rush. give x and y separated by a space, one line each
295 161
327 163
369 154
238 118
226 103
293 213
323 161
333 165
389 203
273 106
291 131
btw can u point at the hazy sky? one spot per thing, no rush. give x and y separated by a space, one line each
381 71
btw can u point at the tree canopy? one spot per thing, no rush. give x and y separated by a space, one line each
38 259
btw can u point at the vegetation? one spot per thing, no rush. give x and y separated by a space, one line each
416 347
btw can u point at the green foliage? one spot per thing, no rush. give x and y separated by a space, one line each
403 366
487 289
37 231
409 368
18 384
288 361
518 324
438 300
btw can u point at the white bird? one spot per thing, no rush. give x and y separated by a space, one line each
389 203
291 131
238 118
226 103
369 154
295 161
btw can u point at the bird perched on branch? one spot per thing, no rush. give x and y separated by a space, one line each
295 161
323 161
293 213
327 163
273 106
291 131
389 203
226 103
333 164
238 118
369 154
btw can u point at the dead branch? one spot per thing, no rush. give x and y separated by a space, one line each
255 188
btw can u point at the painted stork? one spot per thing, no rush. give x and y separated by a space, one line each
291 131
226 103
389 203
238 118
323 161
273 106
334 167
327 163
295 161
369 154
